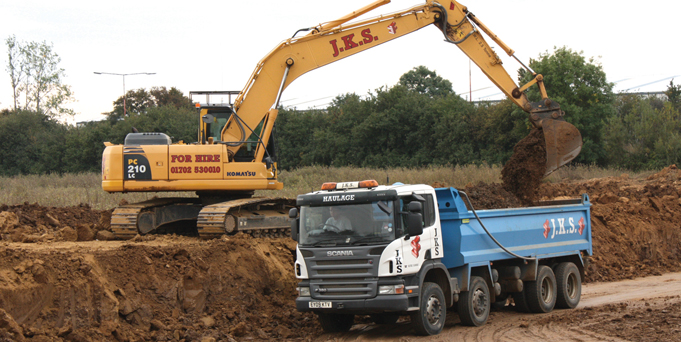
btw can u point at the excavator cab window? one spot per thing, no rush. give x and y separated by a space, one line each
215 124
247 152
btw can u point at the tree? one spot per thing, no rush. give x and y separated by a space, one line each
32 143
583 92
15 69
643 134
139 100
673 94
424 81
35 73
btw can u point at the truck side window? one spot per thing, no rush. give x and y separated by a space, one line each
428 212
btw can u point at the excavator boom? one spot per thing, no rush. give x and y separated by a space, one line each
335 40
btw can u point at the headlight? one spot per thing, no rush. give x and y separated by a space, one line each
304 291
391 289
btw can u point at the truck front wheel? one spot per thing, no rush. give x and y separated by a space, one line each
335 322
541 294
430 319
474 304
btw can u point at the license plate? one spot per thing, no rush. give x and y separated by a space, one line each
316 305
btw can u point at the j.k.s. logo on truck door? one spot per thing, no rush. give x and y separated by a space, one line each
398 261
416 246
561 229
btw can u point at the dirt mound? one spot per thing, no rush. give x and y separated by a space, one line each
174 288
35 223
523 173
635 223
491 196
168 289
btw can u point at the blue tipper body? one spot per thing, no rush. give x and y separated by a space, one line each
543 232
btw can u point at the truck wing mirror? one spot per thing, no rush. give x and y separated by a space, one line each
415 207
293 214
414 223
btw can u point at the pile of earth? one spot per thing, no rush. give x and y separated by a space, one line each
524 171
636 223
34 223
161 289
54 286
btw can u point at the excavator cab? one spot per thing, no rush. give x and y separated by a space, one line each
213 120
214 113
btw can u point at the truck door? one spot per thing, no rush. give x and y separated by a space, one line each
416 248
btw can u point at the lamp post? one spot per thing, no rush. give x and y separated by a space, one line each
125 111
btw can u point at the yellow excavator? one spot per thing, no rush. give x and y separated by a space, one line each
233 157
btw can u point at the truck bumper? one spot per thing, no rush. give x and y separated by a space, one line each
378 304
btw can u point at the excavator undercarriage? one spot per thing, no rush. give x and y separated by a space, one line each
257 216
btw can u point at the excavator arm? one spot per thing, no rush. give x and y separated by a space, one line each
335 40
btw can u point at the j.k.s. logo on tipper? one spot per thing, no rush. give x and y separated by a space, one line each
561 229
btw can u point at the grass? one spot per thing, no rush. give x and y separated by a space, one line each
74 189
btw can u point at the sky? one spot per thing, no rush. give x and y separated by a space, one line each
215 45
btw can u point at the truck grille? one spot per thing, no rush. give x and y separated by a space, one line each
343 277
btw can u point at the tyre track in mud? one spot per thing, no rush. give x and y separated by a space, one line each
601 303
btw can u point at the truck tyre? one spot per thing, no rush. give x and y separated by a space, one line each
385 318
519 298
335 322
430 318
541 294
569 285
474 304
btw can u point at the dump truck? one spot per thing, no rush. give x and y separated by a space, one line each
234 157
395 250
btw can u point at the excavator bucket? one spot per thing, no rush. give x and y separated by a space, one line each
563 143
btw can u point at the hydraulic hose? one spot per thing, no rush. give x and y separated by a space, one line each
243 135
487 231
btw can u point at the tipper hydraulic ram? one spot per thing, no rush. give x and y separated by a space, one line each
389 251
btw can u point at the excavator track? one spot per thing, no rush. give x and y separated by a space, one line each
129 220
255 216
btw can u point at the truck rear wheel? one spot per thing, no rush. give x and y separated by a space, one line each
430 319
541 294
474 304
569 285
335 322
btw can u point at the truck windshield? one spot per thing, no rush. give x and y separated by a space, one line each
355 224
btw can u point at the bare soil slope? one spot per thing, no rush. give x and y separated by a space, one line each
58 283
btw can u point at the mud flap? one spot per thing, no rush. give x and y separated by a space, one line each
563 143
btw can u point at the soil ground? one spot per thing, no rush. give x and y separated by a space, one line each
60 279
